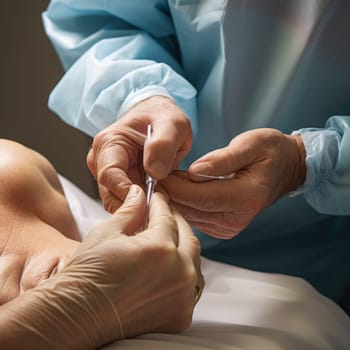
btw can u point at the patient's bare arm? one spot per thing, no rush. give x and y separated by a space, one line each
37 231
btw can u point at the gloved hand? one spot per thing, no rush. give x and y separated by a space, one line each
266 164
118 284
119 153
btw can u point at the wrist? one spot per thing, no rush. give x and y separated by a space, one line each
299 168
141 95
64 312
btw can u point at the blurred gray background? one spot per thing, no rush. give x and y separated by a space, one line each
29 71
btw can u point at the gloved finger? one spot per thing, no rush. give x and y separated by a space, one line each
171 140
130 216
128 219
162 225
187 242
189 246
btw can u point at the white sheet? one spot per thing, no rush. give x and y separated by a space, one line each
239 308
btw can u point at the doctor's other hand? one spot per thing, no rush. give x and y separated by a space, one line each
266 165
119 283
119 153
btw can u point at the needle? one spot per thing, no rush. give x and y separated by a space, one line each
209 177
150 183
216 177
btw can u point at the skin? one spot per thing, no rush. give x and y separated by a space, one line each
267 164
102 294
121 281
38 232
119 153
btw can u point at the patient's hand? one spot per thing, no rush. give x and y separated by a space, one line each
37 231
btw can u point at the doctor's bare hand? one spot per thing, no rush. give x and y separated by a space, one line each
266 164
119 153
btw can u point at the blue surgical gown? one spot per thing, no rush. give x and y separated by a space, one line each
231 66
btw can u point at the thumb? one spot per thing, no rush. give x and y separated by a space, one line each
129 218
220 162
241 152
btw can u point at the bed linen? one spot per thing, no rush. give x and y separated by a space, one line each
239 309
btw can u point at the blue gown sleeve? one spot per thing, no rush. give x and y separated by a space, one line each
115 54
327 185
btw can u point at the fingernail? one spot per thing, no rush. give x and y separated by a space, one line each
159 169
133 192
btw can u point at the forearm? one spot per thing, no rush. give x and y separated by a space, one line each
74 28
132 59
62 313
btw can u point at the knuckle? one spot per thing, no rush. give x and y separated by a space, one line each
181 121
190 276
101 137
196 245
104 175
160 253
166 252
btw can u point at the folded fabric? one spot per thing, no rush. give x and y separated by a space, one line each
239 308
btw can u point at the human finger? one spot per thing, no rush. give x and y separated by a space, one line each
227 224
189 246
115 149
187 242
171 140
214 230
242 151
213 195
110 200
162 225
127 220
112 165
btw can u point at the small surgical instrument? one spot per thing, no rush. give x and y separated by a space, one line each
216 177
208 177
150 183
